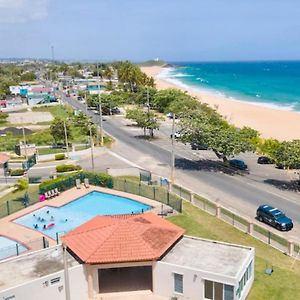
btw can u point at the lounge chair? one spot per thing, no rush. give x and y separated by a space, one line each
57 191
52 193
47 195
78 183
86 183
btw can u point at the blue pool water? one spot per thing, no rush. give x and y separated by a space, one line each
9 247
77 212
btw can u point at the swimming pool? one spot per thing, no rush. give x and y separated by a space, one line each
9 247
52 220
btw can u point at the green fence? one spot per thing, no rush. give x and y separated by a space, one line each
156 193
14 205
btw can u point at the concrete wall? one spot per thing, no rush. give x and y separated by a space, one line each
42 288
193 281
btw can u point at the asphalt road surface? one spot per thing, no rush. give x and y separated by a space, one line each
241 193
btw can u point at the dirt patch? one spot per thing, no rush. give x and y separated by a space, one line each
30 117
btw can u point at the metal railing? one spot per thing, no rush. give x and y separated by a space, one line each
242 223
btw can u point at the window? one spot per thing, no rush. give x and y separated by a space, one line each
178 283
217 291
208 290
247 275
228 292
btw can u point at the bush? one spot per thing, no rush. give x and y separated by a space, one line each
66 182
67 168
36 179
60 156
17 172
22 184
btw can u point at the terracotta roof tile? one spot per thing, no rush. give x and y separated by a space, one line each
3 158
125 238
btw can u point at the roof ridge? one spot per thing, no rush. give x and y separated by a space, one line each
113 231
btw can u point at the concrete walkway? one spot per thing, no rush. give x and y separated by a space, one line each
136 295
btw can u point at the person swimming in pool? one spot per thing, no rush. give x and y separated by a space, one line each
44 227
36 226
48 211
52 218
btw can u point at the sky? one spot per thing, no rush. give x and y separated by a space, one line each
173 30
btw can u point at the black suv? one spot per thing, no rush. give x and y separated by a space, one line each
264 160
274 217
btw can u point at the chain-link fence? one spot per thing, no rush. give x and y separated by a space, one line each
14 205
156 193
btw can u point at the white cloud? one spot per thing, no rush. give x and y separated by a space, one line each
18 11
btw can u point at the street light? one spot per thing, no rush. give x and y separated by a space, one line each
92 147
100 108
173 151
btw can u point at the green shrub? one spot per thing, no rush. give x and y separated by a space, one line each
17 172
60 156
67 168
66 182
22 184
36 179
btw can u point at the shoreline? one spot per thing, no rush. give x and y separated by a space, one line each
271 122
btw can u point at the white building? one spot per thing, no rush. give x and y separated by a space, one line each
129 253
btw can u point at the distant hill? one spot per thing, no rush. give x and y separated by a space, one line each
154 63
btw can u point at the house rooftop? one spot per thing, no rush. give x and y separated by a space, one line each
208 256
3 158
31 266
122 238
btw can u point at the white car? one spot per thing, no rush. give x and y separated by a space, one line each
177 135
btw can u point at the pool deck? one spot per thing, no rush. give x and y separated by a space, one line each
32 239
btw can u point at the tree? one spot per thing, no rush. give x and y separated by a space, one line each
58 132
287 154
209 128
28 76
164 98
143 119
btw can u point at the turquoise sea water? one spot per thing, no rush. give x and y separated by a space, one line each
65 218
270 83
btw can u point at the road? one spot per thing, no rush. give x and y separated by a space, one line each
240 193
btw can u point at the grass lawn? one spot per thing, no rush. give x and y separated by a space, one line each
59 111
15 199
283 284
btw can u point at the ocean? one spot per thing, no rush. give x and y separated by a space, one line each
274 84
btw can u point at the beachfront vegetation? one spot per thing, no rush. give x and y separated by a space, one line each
144 119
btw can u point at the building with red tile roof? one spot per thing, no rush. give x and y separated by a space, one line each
122 238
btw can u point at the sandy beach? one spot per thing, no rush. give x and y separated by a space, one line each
270 122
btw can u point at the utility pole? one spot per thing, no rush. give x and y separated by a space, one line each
173 152
92 148
66 138
100 108
24 141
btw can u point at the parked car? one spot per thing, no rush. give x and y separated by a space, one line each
177 135
238 163
197 146
274 217
170 115
264 160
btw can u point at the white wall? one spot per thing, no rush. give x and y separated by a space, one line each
193 281
43 289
